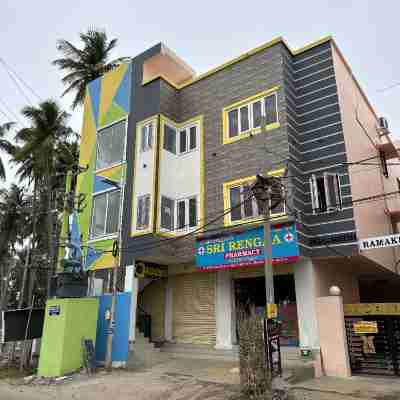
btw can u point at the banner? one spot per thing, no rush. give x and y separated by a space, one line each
244 249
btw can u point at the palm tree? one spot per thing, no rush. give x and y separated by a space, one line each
5 146
85 64
14 214
47 133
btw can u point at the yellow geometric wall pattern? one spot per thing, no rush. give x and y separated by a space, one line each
107 100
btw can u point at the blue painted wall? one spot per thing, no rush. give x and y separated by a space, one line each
121 333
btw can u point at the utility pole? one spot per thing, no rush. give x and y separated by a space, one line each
111 321
116 255
262 190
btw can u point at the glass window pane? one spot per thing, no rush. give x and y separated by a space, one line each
139 213
270 109
182 141
113 212
181 214
236 213
167 213
150 136
248 202
279 209
110 145
192 212
193 137
99 215
257 113
170 139
244 119
143 139
321 194
233 123
146 211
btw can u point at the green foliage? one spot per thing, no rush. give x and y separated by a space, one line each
87 63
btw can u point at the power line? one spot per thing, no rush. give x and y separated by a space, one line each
10 112
7 66
17 84
385 89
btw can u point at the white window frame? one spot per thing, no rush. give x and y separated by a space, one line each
144 197
332 205
186 226
255 215
186 129
107 194
249 106
178 131
148 145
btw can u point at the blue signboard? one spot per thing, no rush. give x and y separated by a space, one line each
244 249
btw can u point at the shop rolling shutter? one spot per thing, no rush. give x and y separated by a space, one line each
194 308
152 299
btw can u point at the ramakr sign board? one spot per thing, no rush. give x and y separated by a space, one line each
379 242
246 249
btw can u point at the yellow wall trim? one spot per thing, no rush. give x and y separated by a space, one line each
153 118
242 57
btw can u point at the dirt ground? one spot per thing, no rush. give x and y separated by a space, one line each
175 380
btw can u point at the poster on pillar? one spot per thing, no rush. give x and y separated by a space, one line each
246 249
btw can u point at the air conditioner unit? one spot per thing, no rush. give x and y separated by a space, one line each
383 125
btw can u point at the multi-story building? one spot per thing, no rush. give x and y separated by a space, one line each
179 152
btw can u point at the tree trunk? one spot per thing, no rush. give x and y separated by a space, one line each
50 231
33 243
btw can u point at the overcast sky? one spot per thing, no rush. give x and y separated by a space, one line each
204 34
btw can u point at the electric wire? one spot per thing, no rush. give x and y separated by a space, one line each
356 202
17 84
7 66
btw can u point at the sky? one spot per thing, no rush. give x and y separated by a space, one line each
205 34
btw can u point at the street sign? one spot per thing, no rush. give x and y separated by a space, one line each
379 242
149 270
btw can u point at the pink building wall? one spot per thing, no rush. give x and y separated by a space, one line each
361 137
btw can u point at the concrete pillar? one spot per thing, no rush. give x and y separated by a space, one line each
332 333
223 310
304 278
131 285
168 311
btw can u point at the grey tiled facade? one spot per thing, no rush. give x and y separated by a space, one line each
310 136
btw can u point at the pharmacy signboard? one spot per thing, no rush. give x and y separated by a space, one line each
245 249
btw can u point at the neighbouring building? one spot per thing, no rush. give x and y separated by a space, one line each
169 154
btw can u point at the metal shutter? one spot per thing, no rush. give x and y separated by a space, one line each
193 318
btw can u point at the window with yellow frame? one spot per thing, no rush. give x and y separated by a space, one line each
239 199
244 118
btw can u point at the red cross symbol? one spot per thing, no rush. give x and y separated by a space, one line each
288 237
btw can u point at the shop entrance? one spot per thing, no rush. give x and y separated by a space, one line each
251 292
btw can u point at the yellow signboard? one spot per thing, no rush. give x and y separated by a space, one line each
147 270
363 327
272 310
372 309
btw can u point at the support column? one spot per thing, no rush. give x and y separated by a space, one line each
168 311
223 310
304 278
332 330
131 285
